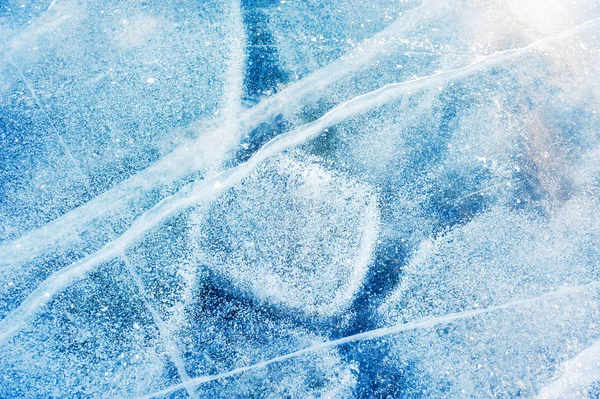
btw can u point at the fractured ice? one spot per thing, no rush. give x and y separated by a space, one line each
300 198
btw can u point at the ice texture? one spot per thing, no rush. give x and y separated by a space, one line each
300 199
292 233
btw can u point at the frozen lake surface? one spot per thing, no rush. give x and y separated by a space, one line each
300 199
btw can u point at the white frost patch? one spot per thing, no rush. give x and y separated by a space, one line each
136 32
293 233
578 373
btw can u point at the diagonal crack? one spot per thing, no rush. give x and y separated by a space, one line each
163 329
207 189
578 372
165 334
206 152
423 323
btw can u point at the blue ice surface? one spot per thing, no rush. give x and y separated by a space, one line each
293 199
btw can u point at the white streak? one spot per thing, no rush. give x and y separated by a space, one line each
481 191
206 152
423 323
206 190
578 373
163 329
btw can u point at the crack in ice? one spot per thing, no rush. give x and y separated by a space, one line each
579 372
423 323
198 155
207 189
163 329
233 98
170 346
481 191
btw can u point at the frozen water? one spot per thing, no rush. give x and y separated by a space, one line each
260 198
292 233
